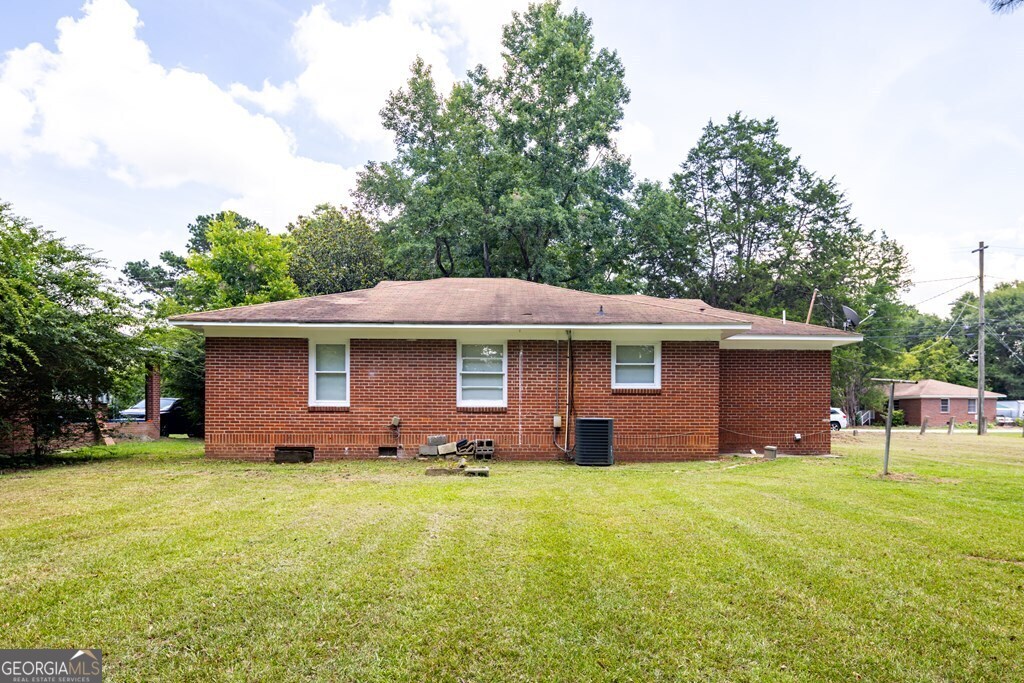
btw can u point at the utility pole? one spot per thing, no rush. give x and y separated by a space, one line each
982 427
810 309
888 418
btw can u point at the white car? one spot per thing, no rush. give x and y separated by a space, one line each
838 420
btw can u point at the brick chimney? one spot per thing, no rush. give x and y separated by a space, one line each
153 394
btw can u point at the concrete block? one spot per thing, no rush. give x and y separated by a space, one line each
428 450
446 448
437 440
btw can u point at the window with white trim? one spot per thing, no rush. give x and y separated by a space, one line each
636 366
482 375
943 405
328 374
972 406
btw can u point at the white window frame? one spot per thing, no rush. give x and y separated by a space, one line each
657 366
975 402
463 403
313 343
946 402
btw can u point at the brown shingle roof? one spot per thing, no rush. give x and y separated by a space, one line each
933 388
491 301
759 324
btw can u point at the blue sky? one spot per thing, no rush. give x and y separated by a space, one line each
121 120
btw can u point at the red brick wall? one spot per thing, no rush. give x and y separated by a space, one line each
257 396
79 435
768 396
153 396
677 422
911 412
915 410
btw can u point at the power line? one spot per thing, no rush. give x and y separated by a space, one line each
943 279
951 289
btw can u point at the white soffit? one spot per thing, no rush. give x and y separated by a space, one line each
781 341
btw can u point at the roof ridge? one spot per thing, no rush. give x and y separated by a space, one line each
586 293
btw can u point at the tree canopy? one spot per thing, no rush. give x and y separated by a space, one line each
63 332
334 250
231 261
745 225
1004 335
513 174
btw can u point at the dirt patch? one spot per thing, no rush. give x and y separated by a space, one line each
898 476
911 478
1000 560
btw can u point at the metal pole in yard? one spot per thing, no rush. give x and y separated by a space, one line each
888 430
888 416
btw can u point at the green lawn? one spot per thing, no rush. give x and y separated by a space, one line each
800 569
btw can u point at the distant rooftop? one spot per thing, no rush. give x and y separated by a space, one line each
933 388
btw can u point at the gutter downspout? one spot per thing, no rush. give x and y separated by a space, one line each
564 446
568 388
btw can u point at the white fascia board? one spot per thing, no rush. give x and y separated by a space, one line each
622 333
787 341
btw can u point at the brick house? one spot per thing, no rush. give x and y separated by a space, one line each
942 401
500 359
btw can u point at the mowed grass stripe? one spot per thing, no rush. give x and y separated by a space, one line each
801 569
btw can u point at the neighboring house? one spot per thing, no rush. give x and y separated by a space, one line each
942 401
499 359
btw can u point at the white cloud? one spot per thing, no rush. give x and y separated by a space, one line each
269 98
470 24
635 138
99 101
351 67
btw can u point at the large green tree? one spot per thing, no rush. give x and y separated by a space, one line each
242 266
334 250
231 261
514 173
1004 335
937 358
63 332
745 225
159 280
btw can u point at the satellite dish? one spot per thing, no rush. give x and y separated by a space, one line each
852 317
